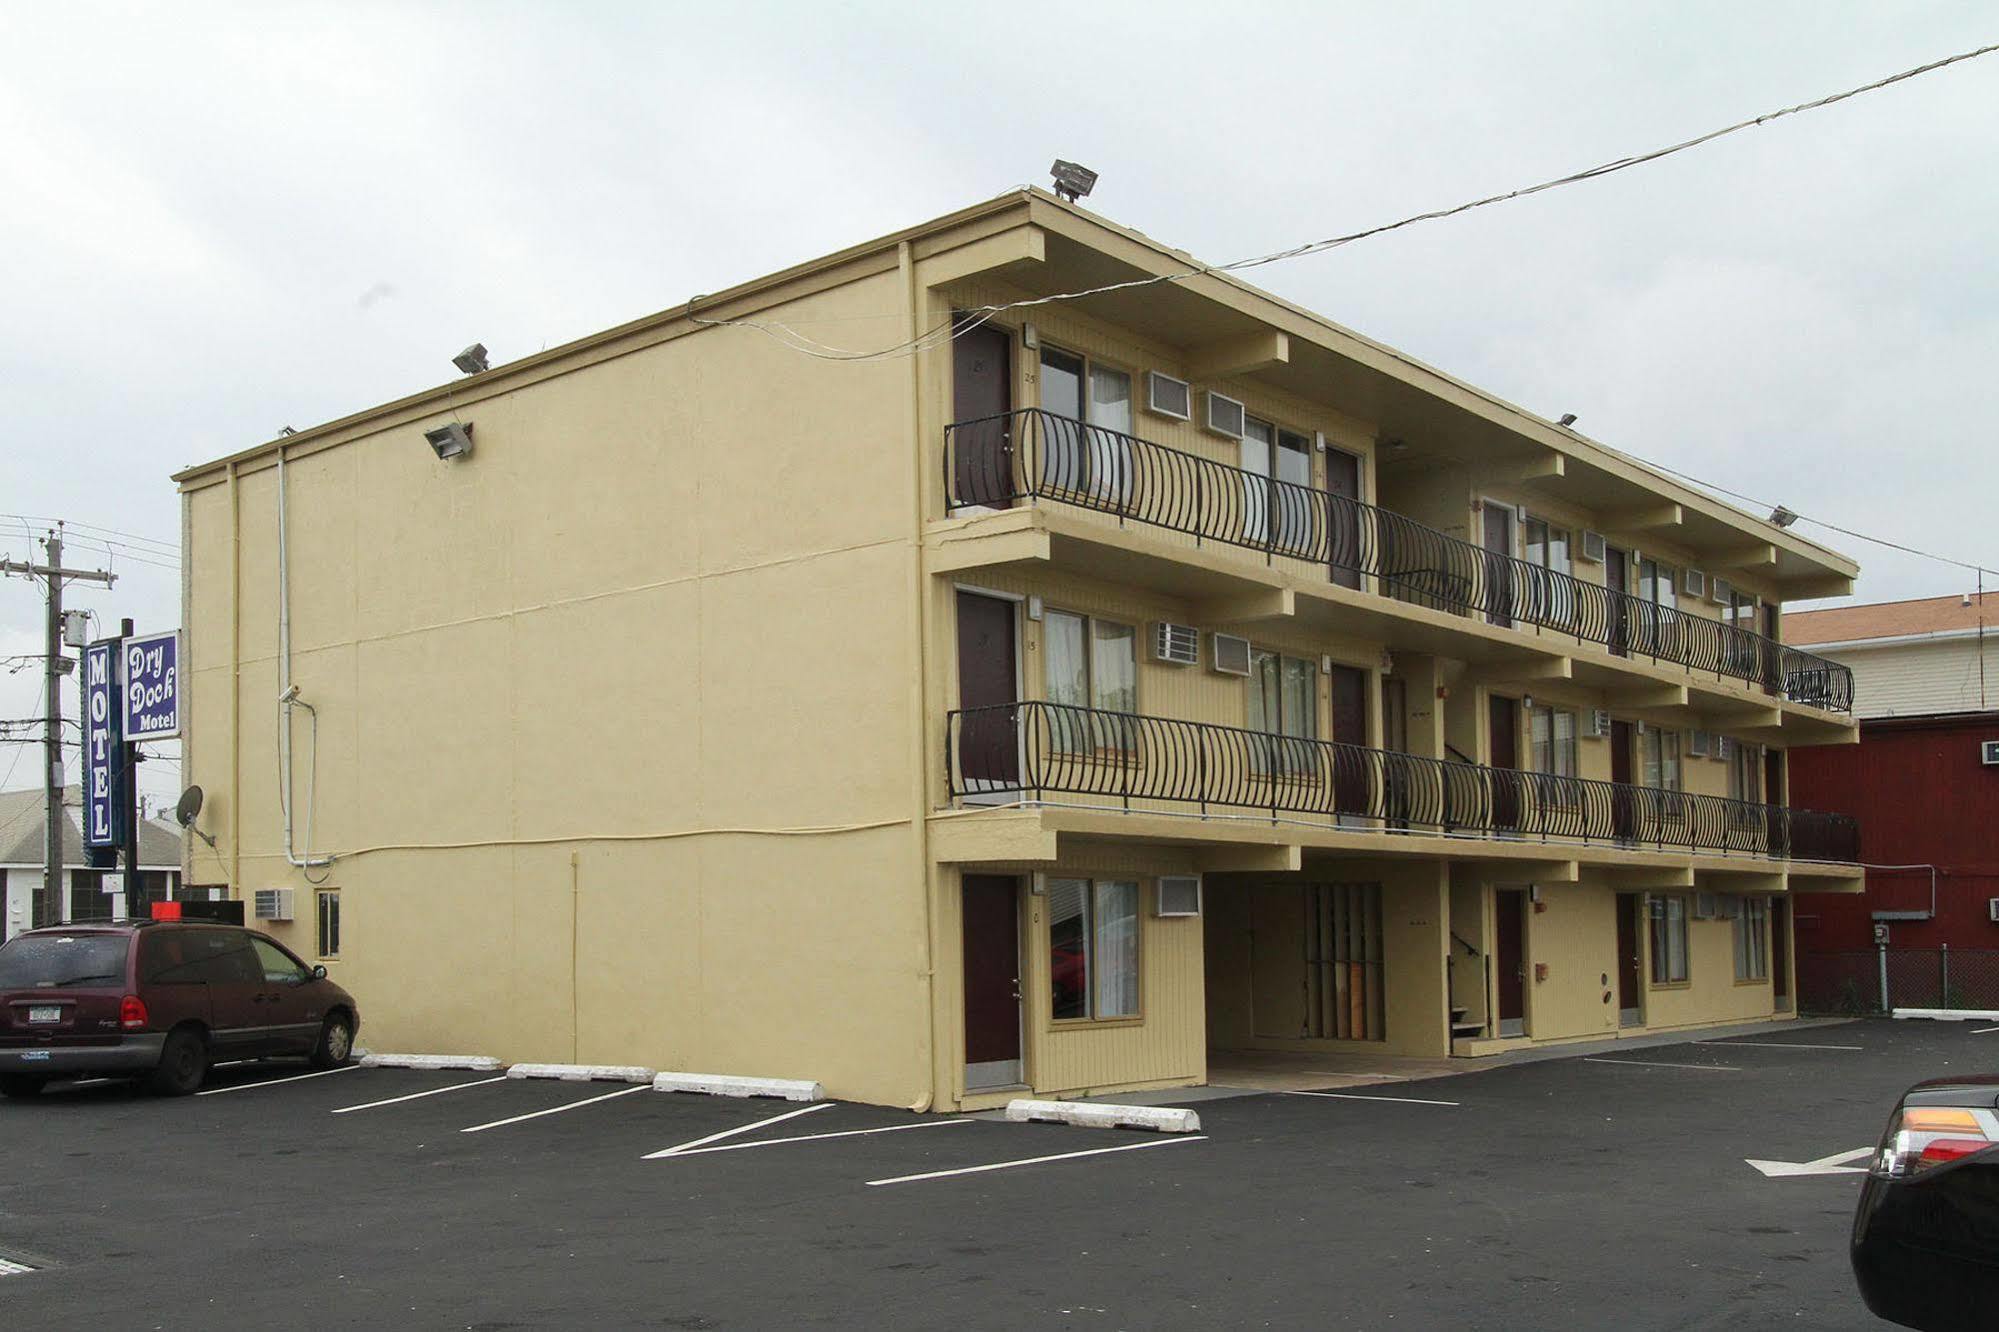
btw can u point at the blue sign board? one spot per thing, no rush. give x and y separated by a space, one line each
151 676
101 751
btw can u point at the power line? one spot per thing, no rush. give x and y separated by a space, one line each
958 325
168 547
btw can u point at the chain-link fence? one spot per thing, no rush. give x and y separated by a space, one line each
1876 980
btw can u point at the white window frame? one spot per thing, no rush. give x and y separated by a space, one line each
1105 449
1091 990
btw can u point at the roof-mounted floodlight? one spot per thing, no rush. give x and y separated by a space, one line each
450 441
1568 419
1072 182
1782 516
472 360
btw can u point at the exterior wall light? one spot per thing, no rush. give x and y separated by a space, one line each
450 441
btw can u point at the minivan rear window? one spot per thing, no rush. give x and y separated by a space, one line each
58 961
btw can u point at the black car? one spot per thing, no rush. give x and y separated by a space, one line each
1926 1236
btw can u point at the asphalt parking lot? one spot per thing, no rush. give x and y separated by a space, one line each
1586 1193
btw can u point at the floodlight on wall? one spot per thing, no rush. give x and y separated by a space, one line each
450 441
1072 182
1782 516
472 360
1568 419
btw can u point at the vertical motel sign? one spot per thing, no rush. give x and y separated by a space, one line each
103 710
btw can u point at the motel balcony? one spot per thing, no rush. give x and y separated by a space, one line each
1416 586
1113 766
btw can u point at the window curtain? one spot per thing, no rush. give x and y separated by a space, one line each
1114 683
1109 428
1068 666
1114 956
1259 442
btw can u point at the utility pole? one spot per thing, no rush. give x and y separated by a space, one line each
52 783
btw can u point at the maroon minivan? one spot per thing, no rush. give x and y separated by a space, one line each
160 1001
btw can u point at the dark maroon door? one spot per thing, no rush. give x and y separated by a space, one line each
992 980
1352 771
1628 991
982 429
1617 619
1623 810
1498 564
988 745
1343 524
1773 664
1509 906
1505 760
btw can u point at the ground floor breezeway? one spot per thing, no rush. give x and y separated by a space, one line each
1113 973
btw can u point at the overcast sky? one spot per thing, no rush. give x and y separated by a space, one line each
217 220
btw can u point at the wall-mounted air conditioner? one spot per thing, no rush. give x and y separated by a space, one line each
1225 415
1593 547
1697 744
1724 747
1179 895
1693 582
274 904
1718 590
1598 725
1168 396
1988 753
1992 909
1706 906
1231 654
1177 644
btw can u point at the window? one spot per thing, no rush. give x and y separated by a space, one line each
1091 663
44 906
1551 750
1085 437
1284 701
1659 755
1656 589
1752 925
1546 547
1669 940
89 901
1282 512
169 957
1093 948
329 923
276 965
1745 773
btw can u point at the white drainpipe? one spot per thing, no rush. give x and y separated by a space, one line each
287 699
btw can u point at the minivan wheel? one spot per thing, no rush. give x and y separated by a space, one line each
183 1065
336 1043
21 1085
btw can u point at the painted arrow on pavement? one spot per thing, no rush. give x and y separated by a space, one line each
1836 1164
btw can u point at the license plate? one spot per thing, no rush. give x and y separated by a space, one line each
45 1013
34 1056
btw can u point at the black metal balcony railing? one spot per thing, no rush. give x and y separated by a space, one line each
1034 454
1031 750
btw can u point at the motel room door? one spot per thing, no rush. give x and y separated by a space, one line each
1498 533
982 431
992 981
988 695
1780 954
1630 993
1623 807
1509 907
1504 758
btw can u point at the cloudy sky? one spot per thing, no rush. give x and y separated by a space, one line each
216 220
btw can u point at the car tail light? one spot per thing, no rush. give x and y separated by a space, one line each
132 1015
1923 1137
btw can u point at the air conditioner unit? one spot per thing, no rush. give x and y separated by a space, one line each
1593 547
1706 906
274 904
1179 895
1168 396
1599 724
1179 644
1718 590
1724 747
1988 753
1231 654
1697 744
1693 582
1225 415
1992 909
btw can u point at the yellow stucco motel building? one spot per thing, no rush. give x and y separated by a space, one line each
1078 696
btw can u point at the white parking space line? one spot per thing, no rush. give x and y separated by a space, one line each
1984 1031
557 1109
1783 1045
810 1137
418 1096
1035 1160
738 1130
1352 1096
272 1082
1642 1063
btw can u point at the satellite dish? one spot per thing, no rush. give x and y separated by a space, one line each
189 806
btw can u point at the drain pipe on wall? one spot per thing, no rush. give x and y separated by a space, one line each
288 699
